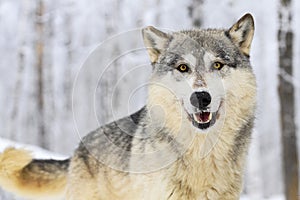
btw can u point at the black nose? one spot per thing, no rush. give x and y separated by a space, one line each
200 99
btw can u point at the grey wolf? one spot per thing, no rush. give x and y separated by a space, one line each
188 142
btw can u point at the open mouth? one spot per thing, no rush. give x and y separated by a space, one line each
203 119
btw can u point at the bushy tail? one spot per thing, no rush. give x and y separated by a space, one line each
31 178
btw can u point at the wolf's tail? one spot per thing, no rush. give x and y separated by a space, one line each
31 178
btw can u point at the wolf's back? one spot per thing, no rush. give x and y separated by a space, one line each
31 178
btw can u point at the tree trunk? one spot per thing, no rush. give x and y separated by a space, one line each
17 90
15 109
109 94
287 102
39 52
47 78
195 12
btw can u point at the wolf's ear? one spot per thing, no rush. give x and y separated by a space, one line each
155 41
241 33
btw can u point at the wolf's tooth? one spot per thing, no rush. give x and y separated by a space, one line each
195 118
210 116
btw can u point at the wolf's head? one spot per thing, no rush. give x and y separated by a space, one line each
202 76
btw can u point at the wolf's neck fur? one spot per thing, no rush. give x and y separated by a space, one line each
210 164
199 162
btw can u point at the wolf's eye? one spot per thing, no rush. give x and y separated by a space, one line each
218 65
183 68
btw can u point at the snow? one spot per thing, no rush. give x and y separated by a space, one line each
37 152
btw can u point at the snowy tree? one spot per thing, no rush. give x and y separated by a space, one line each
287 101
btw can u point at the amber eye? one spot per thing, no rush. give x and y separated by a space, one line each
183 68
218 65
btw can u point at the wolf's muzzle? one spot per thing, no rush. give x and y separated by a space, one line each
200 99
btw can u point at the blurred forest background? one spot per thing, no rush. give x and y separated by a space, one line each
57 83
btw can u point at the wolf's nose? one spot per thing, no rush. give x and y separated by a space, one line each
200 99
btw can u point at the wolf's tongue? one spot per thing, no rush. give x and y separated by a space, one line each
203 116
